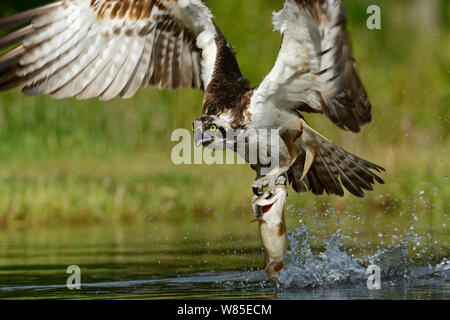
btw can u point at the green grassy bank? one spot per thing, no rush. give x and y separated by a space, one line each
87 162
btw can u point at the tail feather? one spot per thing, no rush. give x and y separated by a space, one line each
332 168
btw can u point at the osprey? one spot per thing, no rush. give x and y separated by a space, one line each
112 48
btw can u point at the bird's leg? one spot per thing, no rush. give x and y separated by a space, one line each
277 174
281 180
270 180
259 185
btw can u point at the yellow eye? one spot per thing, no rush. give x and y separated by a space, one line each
213 128
193 128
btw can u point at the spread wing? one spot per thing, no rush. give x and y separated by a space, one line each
315 71
108 48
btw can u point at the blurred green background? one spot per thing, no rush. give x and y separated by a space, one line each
87 162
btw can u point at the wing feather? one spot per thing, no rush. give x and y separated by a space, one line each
149 72
84 78
142 69
107 76
134 73
167 73
65 48
38 57
158 64
315 71
16 36
126 71
88 50
187 69
11 58
176 61
43 69
196 82
28 15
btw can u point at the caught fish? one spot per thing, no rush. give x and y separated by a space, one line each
269 209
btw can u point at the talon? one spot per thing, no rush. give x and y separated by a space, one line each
309 159
256 190
269 181
272 185
259 184
281 180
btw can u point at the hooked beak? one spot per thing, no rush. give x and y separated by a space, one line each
200 139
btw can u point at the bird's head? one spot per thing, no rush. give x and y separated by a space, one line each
211 130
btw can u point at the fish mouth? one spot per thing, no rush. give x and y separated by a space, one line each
267 208
266 201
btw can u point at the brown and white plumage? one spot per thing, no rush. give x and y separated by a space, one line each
315 71
109 48
112 48
331 168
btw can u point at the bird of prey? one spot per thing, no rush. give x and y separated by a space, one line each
112 48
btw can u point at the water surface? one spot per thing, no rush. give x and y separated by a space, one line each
159 261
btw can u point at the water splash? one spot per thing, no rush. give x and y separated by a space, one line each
334 267
304 268
393 263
